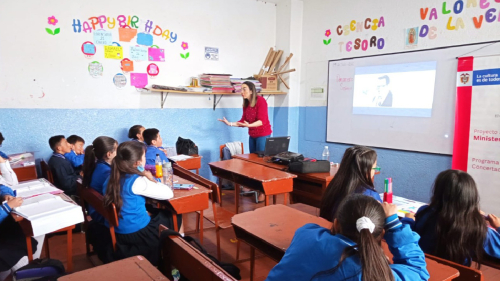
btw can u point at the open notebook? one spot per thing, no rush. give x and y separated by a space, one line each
48 213
34 188
405 205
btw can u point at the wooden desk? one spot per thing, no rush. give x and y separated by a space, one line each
271 229
134 268
193 163
307 188
254 176
24 172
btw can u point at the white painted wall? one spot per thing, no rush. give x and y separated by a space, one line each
33 62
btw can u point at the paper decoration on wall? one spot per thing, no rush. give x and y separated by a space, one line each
329 40
88 49
113 52
120 80
156 54
139 80
144 39
411 37
211 53
127 65
185 46
126 33
95 69
103 37
139 53
53 21
153 70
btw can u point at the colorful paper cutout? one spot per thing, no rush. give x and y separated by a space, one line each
52 20
156 54
185 46
103 37
139 80
113 52
95 69
138 53
120 80
127 65
88 48
411 36
126 33
153 70
144 39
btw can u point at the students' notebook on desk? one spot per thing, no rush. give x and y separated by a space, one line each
405 205
34 188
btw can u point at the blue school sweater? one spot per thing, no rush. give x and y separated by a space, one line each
99 176
151 155
64 175
4 208
425 226
134 214
4 156
75 159
315 249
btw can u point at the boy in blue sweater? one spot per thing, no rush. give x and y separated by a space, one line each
153 139
76 155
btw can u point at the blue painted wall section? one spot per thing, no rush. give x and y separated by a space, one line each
413 173
286 123
30 129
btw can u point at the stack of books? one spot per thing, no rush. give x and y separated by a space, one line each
219 83
237 82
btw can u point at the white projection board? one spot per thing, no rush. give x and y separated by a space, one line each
401 101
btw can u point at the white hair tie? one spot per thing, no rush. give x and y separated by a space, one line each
365 222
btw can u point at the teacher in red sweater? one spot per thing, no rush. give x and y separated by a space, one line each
255 117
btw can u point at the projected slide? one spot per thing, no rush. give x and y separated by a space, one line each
395 90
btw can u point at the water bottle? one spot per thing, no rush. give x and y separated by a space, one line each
326 154
168 175
158 167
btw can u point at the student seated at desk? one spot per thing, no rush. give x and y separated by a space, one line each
351 249
13 249
128 186
153 140
355 175
8 176
135 133
62 170
76 155
97 167
452 226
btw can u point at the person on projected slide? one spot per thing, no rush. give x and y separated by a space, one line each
384 96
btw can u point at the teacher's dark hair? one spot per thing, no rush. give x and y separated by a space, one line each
460 229
374 264
353 176
253 97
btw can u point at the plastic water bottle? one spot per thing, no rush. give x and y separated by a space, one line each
158 167
326 154
168 175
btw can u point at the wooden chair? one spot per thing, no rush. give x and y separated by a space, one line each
466 273
46 172
190 262
220 217
96 200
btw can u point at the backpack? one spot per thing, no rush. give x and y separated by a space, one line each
186 147
44 269
230 268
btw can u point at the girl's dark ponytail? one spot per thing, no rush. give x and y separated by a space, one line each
88 165
96 151
374 264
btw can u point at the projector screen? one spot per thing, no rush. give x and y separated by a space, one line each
402 101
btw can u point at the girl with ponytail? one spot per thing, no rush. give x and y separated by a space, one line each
351 249
127 188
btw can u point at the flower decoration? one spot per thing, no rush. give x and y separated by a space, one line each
185 46
328 33
53 20
327 41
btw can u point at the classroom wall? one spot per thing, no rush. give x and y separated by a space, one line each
413 172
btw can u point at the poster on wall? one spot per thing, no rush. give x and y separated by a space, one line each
138 53
476 146
113 52
103 37
156 54
120 80
411 37
95 69
139 80
211 53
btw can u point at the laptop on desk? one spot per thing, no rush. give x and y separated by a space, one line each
274 146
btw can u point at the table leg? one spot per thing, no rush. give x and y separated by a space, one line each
70 250
274 199
201 227
174 218
30 248
236 196
252 262
267 200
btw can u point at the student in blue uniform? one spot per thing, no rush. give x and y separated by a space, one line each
351 249
129 185
97 167
355 175
62 170
153 140
7 175
3 155
452 226
135 133
75 156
